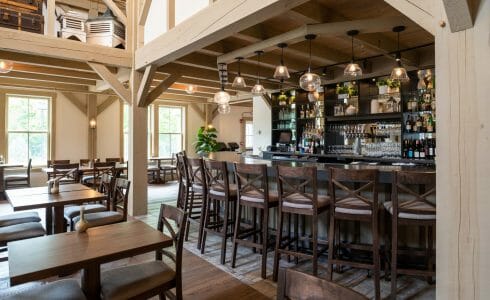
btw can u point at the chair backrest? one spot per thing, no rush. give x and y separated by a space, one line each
104 168
183 176
217 177
404 182
29 168
120 195
251 180
63 169
86 161
293 184
114 159
293 284
169 215
351 184
195 169
57 162
106 187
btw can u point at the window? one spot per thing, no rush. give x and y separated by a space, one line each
170 130
249 135
186 8
126 130
28 129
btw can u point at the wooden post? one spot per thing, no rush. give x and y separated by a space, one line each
138 126
50 18
463 167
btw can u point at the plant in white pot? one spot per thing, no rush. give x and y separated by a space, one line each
206 141
382 86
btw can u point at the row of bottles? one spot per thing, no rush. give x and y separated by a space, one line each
419 149
307 111
420 123
286 113
422 100
312 140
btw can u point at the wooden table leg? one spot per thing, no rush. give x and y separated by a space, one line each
2 188
59 219
91 281
49 220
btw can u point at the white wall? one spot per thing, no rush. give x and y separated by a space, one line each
108 132
229 126
157 21
72 131
193 122
262 125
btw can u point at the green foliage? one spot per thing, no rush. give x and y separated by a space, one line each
206 140
382 82
342 89
393 84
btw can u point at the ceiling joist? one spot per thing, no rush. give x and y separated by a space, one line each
160 89
112 80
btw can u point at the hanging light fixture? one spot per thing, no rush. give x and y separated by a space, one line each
191 89
239 81
281 71
352 69
258 88
399 73
222 98
310 81
6 66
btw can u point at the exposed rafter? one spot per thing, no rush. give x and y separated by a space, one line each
75 101
117 12
159 89
112 80
145 84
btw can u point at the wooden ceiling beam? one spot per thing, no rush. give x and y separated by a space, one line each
106 103
160 89
27 68
117 12
49 78
27 84
204 89
219 20
418 11
145 83
36 60
84 4
144 9
190 98
47 46
112 80
76 102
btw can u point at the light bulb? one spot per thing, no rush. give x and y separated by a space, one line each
239 82
281 72
6 66
310 82
353 70
221 97
191 89
258 89
399 74
224 108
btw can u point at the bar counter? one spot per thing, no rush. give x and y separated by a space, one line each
385 171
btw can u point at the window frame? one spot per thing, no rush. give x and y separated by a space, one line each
183 127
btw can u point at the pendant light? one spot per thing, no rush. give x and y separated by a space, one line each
258 89
281 71
399 73
6 66
222 97
190 89
310 81
352 69
239 81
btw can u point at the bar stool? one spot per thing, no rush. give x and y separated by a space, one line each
198 190
220 192
184 183
349 204
418 211
253 192
292 184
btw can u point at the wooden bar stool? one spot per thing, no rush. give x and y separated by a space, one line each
198 191
220 192
298 195
349 204
417 211
184 182
253 192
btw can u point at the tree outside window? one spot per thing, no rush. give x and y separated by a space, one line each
28 129
170 130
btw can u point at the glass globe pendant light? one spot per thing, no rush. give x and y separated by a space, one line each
222 98
352 69
399 73
258 88
6 66
281 71
310 81
239 81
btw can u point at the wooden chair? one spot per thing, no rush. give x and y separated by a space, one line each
100 168
253 193
114 159
351 204
85 162
196 199
106 186
19 218
19 180
118 207
63 170
50 164
417 211
19 231
298 195
293 284
168 165
60 289
145 280
220 193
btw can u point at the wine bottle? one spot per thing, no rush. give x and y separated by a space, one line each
416 151
408 124
422 149
410 153
418 124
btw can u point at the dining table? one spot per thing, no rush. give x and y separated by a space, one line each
85 169
54 255
38 197
159 167
4 166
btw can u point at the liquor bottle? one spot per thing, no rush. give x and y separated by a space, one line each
414 126
405 149
431 148
430 124
418 124
416 151
408 124
422 149
410 150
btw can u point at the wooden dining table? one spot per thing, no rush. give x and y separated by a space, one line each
90 169
158 169
2 171
47 256
38 197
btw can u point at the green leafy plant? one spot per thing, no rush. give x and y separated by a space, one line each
352 91
342 89
393 84
206 140
382 82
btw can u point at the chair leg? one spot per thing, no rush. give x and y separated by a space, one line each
387 238
277 255
314 229
376 263
264 240
201 221
296 237
235 235
254 227
206 224
430 253
331 247
225 232
394 254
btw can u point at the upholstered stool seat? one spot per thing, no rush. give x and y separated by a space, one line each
74 211
102 218
130 281
20 231
420 205
19 218
353 206
58 290
254 196
217 190
294 201
12 178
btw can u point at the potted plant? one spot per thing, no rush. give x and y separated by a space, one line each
393 86
382 86
342 91
206 140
